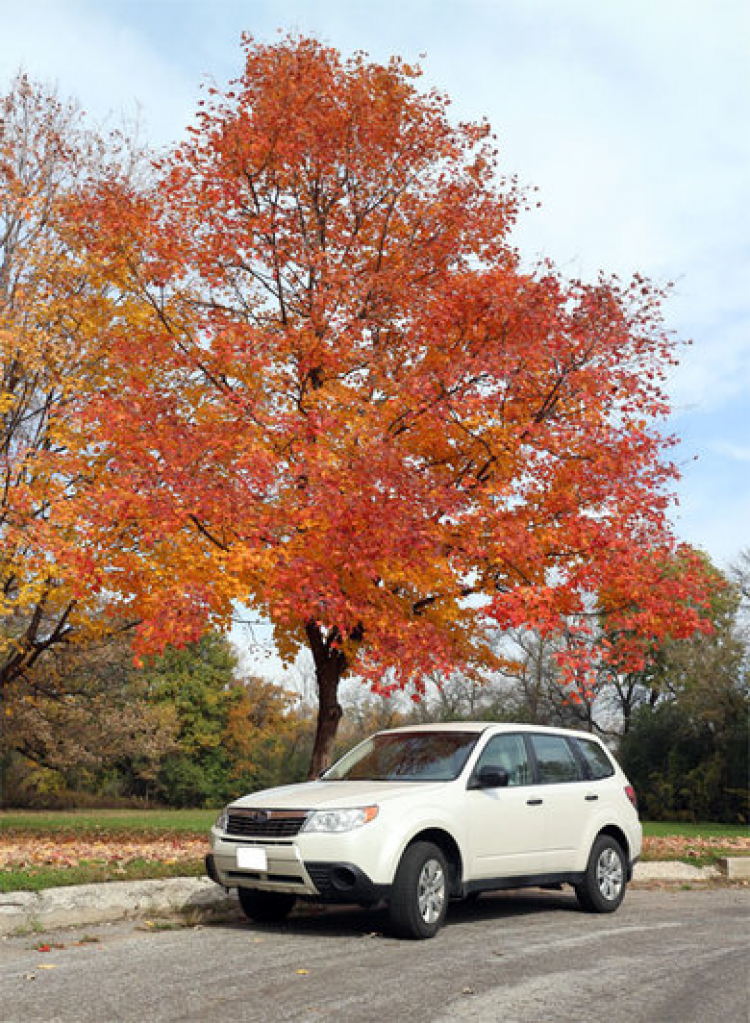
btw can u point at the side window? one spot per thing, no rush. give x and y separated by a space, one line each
555 759
508 752
597 761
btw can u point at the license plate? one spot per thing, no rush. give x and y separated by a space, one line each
252 859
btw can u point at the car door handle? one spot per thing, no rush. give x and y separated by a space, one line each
590 799
534 802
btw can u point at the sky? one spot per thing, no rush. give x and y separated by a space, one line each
631 117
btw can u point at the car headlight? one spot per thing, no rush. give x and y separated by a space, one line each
340 820
222 821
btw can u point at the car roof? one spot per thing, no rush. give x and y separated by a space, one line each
483 726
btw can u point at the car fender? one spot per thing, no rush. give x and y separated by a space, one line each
594 827
430 818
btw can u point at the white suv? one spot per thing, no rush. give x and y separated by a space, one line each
418 815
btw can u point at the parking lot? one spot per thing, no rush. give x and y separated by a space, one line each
666 955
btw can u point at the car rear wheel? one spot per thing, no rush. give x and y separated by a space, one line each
419 898
603 886
265 907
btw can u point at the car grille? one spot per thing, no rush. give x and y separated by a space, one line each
266 823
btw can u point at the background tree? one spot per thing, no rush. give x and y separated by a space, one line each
687 755
198 683
740 576
88 728
73 719
46 358
269 736
532 687
686 747
335 394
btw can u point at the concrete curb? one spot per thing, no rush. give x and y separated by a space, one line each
674 870
738 868
78 905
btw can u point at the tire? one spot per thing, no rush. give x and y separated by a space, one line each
419 898
603 886
265 907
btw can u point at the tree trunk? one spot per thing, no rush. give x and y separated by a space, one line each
330 665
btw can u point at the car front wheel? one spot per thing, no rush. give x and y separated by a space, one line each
265 907
603 886
419 898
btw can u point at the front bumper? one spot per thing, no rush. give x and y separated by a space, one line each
284 870
326 881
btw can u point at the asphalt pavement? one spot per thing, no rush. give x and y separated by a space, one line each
666 956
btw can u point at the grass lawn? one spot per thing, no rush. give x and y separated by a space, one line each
35 879
182 821
654 829
45 849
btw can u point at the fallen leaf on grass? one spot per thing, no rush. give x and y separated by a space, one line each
692 846
20 852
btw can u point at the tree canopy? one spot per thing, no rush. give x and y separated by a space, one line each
335 393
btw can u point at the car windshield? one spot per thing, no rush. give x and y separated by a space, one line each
406 756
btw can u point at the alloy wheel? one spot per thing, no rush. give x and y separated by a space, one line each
431 891
609 874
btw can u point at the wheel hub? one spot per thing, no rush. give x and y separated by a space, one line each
609 875
431 891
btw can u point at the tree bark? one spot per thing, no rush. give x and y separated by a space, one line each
330 666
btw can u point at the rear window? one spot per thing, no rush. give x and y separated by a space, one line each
597 761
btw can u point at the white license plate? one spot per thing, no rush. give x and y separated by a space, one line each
252 859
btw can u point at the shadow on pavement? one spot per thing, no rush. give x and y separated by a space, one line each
337 921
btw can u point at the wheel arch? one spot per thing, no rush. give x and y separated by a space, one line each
622 840
449 848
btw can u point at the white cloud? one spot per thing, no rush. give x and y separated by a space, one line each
734 452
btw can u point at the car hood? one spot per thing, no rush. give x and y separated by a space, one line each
317 795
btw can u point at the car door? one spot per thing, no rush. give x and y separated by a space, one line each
505 824
564 794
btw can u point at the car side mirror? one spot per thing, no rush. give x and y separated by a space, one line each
490 777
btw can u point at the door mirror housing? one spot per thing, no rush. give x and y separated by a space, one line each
490 777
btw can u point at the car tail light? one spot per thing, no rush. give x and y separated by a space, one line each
630 793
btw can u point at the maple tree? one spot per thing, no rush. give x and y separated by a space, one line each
336 394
